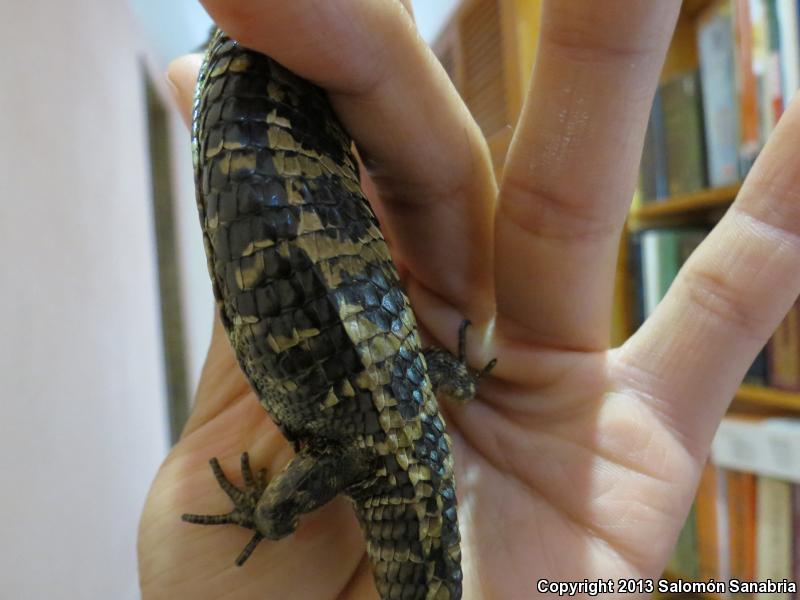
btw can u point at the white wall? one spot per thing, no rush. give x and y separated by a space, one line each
431 15
172 27
83 424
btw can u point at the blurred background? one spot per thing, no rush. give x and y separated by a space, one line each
106 312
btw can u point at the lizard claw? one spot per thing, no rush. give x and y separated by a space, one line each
244 501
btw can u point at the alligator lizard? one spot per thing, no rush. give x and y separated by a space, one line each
314 309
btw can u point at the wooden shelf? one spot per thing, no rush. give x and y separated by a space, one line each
768 397
678 208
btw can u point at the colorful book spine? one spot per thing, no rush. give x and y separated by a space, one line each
796 535
746 84
706 515
773 533
742 527
773 92
784 353
723 525
758 373
789 48
663 251
659 266
715 41
684 134
688 241
653 171
684 559
761 64
763 446
635 289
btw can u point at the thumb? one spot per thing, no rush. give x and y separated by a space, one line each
182 78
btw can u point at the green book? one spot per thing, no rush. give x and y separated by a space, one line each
684 560
663 253
684 134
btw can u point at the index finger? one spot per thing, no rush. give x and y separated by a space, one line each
422 148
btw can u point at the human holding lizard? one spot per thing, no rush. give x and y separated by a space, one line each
576 460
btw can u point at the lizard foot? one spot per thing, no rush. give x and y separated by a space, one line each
244 501
450 374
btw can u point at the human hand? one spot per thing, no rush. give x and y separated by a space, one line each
576 460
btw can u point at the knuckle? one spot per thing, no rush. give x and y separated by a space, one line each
601 36
554 216
718 298
773 207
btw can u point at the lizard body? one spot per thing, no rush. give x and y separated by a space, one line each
314 309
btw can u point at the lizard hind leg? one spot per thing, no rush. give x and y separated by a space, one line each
244 502
311 479
450 374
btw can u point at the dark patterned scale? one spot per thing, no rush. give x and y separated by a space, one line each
314 309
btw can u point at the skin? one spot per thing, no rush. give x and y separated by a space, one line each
576 460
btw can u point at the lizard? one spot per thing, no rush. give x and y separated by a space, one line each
321 327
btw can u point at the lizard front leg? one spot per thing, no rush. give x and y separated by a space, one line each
310 480
450 374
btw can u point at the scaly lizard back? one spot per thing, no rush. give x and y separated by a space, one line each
316 314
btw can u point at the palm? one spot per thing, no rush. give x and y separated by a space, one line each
576 461
535 486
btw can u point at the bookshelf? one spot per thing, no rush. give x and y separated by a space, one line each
488 49
768 397
703 206
683 208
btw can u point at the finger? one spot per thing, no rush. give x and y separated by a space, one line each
182 77
222 382
409 8
421 146
730 296
572 168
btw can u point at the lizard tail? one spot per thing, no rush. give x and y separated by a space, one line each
413 541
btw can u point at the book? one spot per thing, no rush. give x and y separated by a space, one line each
706 517
684 134
723 525
772 90
740 445
763 64
715 42
757 374
795 534
789 48
746 85
659 266
773 532
759 445
635 289
783 352
684 559
741 490
653 170
782 459
663 251
689 238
